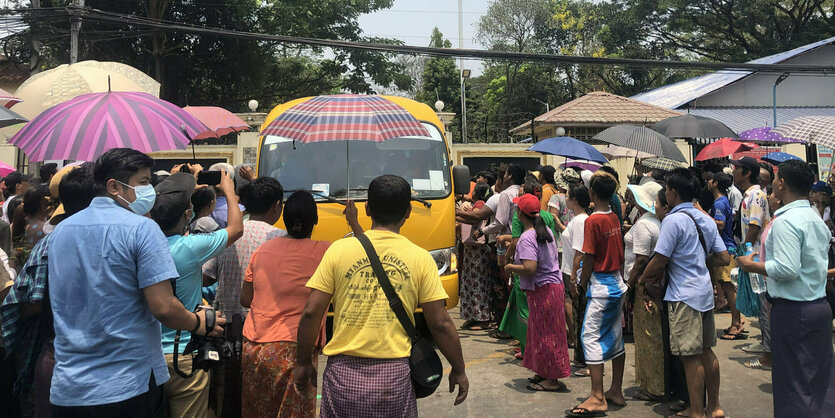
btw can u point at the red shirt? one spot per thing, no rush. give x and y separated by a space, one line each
602 239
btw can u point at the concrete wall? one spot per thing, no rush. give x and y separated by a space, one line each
796 90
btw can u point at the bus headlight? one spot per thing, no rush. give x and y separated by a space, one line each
446 259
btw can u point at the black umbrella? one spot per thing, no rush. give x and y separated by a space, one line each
9 118
641 139
692 126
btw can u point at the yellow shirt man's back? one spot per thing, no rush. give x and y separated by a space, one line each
364 325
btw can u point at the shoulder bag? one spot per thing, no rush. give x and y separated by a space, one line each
424 363
657 287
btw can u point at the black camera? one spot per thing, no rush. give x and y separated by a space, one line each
208 352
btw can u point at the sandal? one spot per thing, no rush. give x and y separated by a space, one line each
584 372
518 356
499 335
645 397
536 378
537 387
756 365
734 337
583 412
728 331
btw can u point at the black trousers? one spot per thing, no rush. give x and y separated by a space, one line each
149 404
803 374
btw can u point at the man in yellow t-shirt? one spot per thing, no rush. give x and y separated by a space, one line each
368 368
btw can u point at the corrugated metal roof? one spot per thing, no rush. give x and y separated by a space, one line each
677 94
744 118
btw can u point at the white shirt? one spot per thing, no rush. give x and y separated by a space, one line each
640 240
572 241
735 196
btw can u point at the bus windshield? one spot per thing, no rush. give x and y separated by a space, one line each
344 169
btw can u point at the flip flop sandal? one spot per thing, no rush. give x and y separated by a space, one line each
537 387
754 348
728 331
756 365
536 379
587 373
518 356
681 406
734 337
583 412
499 335
645 397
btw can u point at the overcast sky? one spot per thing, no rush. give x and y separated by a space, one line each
412 21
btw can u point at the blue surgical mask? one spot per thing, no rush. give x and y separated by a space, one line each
145 198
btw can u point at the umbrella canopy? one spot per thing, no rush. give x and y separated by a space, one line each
49 88
584 165
219 120
818 130
692 126
765 134
614 152
776 158
9 118
661 163
566 146
641 139
342 117
723 148
87 126
5 169
7 100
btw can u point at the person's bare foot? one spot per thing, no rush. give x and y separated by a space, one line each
616 398
717 413
593 404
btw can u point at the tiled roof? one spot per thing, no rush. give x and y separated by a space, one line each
601 108
744 118
677 94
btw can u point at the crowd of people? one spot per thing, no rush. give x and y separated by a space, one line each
114 270
558 260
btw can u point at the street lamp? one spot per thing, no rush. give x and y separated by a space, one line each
774 94
465 74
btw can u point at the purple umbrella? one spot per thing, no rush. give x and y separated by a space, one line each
765 134
88 125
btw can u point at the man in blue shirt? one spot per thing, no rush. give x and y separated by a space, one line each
801 319
189 397
722 213
109 288
688 244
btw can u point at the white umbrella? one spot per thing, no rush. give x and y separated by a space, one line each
818 130
614 152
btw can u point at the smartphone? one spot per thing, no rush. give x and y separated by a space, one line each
212 178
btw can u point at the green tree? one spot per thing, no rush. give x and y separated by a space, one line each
440 79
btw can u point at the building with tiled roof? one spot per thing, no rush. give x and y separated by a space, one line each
584 117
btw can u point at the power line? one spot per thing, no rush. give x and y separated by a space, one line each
99 15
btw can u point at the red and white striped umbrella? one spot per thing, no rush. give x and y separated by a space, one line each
7 100
219 121
88 125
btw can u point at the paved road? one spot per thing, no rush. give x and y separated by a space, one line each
497 384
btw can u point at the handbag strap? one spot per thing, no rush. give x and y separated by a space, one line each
699 230
394 301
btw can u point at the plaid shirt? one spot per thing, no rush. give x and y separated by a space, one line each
230 266
26 334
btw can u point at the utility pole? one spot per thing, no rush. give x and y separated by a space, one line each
461 72
75 27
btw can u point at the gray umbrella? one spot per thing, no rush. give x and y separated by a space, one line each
692 126
9 118
641 139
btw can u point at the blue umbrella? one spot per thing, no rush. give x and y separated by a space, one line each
566 146
778 157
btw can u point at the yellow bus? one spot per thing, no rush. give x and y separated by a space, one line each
330 169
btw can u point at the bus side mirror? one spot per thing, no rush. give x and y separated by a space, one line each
461 179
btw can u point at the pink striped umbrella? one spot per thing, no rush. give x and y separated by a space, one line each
88 125
219 120
7 100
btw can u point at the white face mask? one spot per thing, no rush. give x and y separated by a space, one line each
145 198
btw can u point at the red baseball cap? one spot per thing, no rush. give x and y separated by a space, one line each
528 203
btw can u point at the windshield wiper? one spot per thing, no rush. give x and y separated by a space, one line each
425 202
318 194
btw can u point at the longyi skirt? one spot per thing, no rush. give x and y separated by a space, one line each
546 352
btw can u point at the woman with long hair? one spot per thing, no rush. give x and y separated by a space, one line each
540 277
274 290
